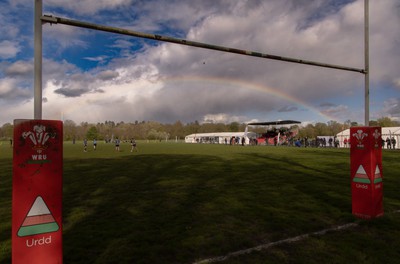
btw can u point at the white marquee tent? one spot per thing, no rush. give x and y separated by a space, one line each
387 132
220 137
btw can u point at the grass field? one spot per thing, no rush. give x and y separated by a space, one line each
182 203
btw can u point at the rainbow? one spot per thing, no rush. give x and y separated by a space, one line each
227 82
241 84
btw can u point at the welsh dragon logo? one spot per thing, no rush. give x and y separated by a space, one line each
360 135
38 137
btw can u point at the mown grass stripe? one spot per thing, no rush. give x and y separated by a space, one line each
268 245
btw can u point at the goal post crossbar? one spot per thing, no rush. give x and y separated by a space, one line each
76 23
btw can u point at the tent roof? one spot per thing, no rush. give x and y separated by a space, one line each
385 131
390 130
222 134
271 123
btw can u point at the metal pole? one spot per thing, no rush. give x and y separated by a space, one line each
65 21
366 37
37 97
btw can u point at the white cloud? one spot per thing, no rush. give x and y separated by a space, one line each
56 39
223 118
10 91
107 75
20 69
88 7
9 49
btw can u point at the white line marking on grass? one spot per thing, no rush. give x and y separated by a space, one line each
268 245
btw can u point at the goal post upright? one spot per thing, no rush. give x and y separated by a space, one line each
37 68
366 56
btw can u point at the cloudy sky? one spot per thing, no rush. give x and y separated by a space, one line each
95 76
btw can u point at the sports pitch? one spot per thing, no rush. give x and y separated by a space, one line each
185 203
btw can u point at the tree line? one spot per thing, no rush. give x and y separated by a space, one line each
152 130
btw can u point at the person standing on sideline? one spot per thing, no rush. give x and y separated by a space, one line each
85 145
117 144
94 144
388 143
133 145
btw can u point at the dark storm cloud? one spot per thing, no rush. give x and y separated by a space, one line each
288 108
71 92
327 105
192 101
